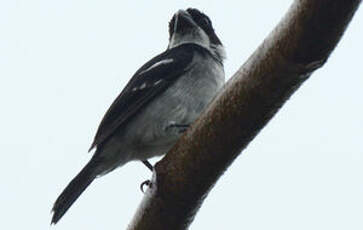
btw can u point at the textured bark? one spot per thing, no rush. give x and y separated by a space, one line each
301 43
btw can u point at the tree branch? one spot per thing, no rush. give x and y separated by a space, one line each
301 43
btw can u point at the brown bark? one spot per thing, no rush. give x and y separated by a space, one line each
300 44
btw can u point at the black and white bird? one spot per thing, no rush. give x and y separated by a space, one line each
157 105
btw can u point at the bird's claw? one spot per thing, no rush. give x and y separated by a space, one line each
181 128
147 183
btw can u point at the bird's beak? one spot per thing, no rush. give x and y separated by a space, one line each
183 20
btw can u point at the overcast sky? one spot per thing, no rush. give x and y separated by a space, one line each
63 62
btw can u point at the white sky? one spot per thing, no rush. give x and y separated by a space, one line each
63 62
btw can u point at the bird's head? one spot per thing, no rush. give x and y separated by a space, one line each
193 26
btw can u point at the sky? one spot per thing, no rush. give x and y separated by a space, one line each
62 63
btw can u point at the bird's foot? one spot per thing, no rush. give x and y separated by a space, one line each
147 183
180 128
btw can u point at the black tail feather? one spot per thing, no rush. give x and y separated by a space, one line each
73 190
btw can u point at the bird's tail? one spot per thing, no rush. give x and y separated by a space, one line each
73 190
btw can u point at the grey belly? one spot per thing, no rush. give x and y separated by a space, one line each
146 135
180 104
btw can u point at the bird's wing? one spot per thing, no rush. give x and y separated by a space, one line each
150 80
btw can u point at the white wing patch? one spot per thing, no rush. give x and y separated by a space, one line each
156 83
163 62
144 85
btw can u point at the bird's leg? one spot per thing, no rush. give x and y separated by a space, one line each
148 165
147 182
180 128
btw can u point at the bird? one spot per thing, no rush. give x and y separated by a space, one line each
157 105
